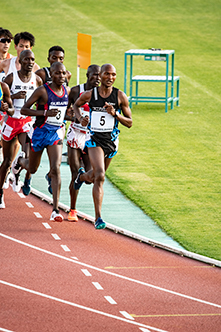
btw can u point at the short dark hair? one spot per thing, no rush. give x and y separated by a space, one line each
55 48
26 36
92 68
5 33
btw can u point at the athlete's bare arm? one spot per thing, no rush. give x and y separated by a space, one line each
83 99
4 65
6 105
41 73
40 97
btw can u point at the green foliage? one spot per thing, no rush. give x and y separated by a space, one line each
168 164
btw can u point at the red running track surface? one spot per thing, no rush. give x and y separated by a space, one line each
71 277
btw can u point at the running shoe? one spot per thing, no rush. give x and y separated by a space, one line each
16 167
72 216
26 188
56 216
49 183
16 184
78 183
2 203
99 224
6 183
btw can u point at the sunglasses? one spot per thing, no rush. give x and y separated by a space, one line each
4 40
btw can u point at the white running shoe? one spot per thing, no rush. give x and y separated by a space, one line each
2 203
56 216
6 183
16 184
16 168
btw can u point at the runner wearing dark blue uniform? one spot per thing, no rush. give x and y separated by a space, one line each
52 101
108 107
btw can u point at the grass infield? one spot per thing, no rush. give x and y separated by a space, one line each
168 164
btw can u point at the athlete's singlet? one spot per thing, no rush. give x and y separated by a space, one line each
77 134
103 126
54 101
17 86
12 67
2 74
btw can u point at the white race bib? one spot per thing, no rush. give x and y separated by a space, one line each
102 122
59 118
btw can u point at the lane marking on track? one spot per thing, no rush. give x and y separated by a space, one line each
156 267
55 236
64 247
110 299
21 195
86 272
174 315
126 315
144 330
97 285
75 258
1 329
111 273
37 214
29 204
46 225
79 306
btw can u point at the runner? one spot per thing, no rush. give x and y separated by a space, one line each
23 41
22 83
5 42
6 106
106 104
52 101
55 54
76 136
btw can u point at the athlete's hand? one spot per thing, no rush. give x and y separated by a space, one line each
84 121
4 106
109 108
19 95
52 112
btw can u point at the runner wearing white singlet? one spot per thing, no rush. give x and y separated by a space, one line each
77 135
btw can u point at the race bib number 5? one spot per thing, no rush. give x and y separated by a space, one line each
102 122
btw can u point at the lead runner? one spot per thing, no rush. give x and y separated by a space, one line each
52 101
106 103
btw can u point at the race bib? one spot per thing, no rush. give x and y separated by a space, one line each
102 122
59 118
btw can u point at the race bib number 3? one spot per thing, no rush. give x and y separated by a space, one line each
59 118
102 122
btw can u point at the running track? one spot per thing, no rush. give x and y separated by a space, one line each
65 277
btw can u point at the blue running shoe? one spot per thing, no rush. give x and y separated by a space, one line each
99 224
78 183
26 188
49 183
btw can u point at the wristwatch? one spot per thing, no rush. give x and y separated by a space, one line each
116 114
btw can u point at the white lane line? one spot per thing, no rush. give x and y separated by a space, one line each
126 315
111 273
144 330
86 272
97 285
21 195
64 247
75 258
110 300
79 306
55 236
29 204
4 330
46 225
37 214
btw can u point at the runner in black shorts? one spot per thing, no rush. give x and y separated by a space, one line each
106 105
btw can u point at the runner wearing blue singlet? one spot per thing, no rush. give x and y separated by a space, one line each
108 107
52 101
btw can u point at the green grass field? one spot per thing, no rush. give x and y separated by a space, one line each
168 163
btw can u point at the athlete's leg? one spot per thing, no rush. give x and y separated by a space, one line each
96 156
55 155
8 150
25 147
74 163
